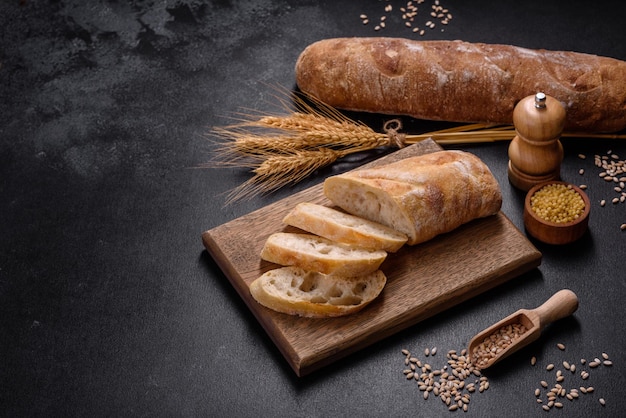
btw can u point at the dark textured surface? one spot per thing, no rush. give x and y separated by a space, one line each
108 304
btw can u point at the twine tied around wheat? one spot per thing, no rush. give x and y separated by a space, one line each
392 128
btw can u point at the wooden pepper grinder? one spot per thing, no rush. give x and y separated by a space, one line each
535 154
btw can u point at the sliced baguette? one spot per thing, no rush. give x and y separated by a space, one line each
314 253
295 291
422 196
345 228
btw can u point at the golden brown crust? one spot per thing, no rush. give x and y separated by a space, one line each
421 196
462 82
344 228
314 253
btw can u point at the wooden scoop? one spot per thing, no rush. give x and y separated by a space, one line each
562 304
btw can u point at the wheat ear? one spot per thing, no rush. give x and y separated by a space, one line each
278 170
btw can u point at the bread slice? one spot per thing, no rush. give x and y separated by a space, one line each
344 228
311 252
295 291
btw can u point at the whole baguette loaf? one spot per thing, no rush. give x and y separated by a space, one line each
462 82
295 291
421 197
319 254
344 228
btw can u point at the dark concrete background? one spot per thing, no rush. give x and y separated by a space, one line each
108 304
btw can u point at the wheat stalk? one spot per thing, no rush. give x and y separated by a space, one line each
278 170
285 149
299 131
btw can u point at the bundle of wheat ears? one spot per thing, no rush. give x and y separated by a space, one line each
284 149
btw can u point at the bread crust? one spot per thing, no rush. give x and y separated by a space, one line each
421 197
314 253
345 228
462 82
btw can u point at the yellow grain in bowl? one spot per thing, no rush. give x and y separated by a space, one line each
558 203
556 212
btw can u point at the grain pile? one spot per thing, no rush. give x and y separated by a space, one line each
565 383
558 203
454 383
613 172
562 382
497 342
437 15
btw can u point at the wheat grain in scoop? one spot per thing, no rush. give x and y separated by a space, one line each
519 329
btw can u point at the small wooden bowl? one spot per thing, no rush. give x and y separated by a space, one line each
551 232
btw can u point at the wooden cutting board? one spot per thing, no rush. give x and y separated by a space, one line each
422 280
